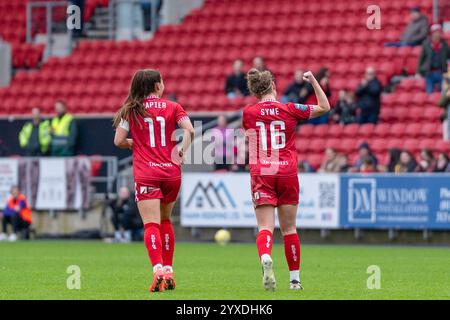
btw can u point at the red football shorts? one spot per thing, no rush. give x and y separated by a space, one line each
167 191
275 190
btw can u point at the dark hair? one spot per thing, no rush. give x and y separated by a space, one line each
394 157
143 84
321 73
428 153
259 82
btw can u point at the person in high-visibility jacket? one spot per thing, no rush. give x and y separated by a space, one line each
64 132
35 136
17 213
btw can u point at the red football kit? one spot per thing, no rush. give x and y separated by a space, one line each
270 127
156 164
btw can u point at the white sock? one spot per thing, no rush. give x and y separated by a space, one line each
265 257
167 269
157 267
294 275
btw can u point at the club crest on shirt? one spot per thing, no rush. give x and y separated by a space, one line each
300 106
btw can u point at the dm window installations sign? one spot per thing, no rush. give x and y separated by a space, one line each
410 201
224 200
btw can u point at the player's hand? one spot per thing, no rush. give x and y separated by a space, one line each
130 144
181 155
309 77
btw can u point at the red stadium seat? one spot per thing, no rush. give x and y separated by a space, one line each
351 130
320 131
413 130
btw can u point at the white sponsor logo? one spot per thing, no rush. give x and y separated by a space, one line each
268 242
294 252
153 240
166 240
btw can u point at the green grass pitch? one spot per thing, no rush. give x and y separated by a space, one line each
37 270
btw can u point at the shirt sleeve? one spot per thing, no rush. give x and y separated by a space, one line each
124 125
301 111
180 114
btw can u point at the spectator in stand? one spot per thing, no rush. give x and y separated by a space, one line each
365 153
223 141
330 162
64 132
442 163
146 6
343 163
368 165
125 218
323 77
345 110
416 31
298 91
17 213
369 97
407 163
236 84
259 64
241 153
427 162
304 166
35 136
433 59
394 158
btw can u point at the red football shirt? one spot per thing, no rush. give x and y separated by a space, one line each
154 153
270 127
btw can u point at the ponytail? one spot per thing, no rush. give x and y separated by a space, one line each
143 83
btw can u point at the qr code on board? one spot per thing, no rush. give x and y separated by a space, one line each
327 195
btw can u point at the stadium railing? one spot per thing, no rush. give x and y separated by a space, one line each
53 13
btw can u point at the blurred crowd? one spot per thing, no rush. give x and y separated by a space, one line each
398 161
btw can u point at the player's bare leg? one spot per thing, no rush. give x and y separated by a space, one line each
287 217
265 217
168 239
151 218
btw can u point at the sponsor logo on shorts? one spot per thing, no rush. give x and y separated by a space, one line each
145 189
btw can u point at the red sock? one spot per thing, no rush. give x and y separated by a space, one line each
168 240
292 251
152 240
264 241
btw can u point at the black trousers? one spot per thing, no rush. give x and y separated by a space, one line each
13 220
17 224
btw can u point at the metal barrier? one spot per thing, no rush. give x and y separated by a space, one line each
50 8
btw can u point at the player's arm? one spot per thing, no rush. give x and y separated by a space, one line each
189 134
323 106
121 137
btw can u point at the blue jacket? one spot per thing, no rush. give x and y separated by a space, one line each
10 210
